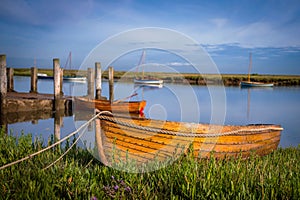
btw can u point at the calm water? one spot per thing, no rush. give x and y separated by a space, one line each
229 105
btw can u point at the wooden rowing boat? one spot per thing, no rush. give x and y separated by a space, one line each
145 140
115 107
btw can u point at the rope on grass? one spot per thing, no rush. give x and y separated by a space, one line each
67 150
58 142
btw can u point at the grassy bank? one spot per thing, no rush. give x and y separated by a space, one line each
227 79
79 176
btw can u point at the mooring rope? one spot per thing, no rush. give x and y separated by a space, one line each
67 149
174 133
58 142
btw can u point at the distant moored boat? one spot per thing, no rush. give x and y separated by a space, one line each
255 84
250 83
72 78
146 81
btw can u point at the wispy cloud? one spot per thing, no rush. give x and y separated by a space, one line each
219 22
225 29
44 13
178 64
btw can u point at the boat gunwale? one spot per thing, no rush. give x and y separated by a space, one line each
238 128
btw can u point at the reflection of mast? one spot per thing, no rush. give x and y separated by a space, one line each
248 104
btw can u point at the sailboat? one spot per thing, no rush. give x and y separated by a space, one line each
146 81
250 83
72 78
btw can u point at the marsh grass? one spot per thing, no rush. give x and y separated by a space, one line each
79 176
192 78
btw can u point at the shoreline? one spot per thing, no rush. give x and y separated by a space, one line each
184 78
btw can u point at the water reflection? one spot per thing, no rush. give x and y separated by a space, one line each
278 105
249 96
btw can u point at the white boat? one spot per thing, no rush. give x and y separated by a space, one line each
44 76
255 84
146 81
250 83
72 78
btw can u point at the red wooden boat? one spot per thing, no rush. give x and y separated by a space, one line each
115 107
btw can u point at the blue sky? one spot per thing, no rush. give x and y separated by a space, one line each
227 30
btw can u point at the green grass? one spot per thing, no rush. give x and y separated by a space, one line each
49 72
79 176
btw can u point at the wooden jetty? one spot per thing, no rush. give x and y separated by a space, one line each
12 101
21 106
32 102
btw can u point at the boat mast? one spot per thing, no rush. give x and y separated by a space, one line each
69 60
250 66
143 60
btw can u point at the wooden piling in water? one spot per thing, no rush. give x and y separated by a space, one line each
61 81
33 81
57 84
111 83
98 74
58 80
91 82
3 82
10 79
3 90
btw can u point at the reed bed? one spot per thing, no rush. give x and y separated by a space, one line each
191 78
80 176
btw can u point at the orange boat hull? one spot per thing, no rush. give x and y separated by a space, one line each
145 140
115 107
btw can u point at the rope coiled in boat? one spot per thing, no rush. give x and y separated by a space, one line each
174 133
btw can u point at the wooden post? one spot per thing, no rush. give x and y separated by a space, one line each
10 79
61 81
33 80
111 83
3 82
58 93
91 82
56 77
98 80
3 89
